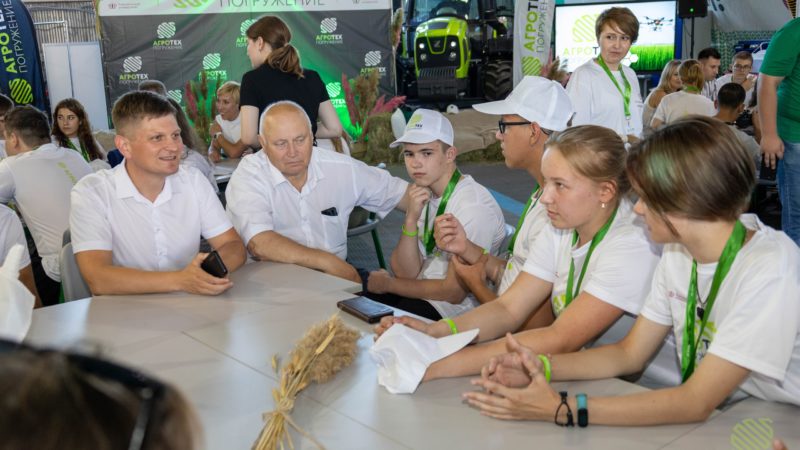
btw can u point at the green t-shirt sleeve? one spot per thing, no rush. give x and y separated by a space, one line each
783 51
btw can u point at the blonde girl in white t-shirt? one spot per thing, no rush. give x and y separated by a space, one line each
587 271
726 286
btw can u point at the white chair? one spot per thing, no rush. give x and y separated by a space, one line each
72 282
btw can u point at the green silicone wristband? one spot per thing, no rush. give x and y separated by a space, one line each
546 365
451 324
408 233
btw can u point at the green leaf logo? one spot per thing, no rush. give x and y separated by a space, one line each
21 91
211 61
166 30
334 89
245 25
531 66
583 30
752 434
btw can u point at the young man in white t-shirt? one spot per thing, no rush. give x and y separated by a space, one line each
38 176
420 268
11 234
740 74
535 109
226 131
730 101
136 229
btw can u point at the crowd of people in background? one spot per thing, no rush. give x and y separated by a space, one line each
635 201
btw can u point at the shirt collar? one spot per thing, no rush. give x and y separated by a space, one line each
126 189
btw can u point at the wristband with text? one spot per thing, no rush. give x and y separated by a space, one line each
583 411
451 324
546 367
408 233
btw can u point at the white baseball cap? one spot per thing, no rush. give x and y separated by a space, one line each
536 99
426 126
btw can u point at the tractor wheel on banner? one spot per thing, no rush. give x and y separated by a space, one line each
498 80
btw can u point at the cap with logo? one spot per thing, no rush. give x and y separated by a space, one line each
535 99
426 126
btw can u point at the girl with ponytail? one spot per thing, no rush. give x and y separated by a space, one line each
277 75
687 101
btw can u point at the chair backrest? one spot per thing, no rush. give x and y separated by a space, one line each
506 240
72 282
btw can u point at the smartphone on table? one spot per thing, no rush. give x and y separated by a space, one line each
365 309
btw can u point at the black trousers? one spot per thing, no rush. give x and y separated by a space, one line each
48 288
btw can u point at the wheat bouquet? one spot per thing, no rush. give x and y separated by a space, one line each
325 349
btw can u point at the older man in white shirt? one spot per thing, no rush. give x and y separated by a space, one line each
136 228
291 202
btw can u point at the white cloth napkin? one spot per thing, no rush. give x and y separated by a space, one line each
16 302
403 354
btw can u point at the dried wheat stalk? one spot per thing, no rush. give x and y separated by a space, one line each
325 349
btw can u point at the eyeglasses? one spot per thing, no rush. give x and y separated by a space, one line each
742 67
502 125
147 389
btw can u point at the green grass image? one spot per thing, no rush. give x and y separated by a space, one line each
652 57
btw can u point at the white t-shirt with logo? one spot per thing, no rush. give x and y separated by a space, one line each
483 222
231 129
619 271
755 321
39 181
535 221
680 104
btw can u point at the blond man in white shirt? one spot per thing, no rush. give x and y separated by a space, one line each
291 201
136 228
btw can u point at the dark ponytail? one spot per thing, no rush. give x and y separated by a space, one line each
276 33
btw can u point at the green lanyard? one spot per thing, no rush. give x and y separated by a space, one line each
626 95
427 237
530 204
691 89
82 150
689 345
601 233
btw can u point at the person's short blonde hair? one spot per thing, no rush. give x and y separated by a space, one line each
231 88
691 73
694 167
595 152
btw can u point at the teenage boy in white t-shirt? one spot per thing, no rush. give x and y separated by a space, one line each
38 176
420 268
226 131
136 228
532 112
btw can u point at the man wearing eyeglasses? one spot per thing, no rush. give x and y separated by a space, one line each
740 74
534 110
421 284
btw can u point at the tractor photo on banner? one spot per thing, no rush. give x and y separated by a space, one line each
456 50
22 79
193 46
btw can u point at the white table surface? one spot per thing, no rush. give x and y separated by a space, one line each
217 350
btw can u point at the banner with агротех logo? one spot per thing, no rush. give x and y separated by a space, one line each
533 25
177 41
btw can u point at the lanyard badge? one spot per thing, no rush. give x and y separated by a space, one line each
427 236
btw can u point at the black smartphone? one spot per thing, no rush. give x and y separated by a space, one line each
365 309
213 265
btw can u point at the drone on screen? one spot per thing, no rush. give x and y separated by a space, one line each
656 24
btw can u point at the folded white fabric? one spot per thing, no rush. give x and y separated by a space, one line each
16 302
403 354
